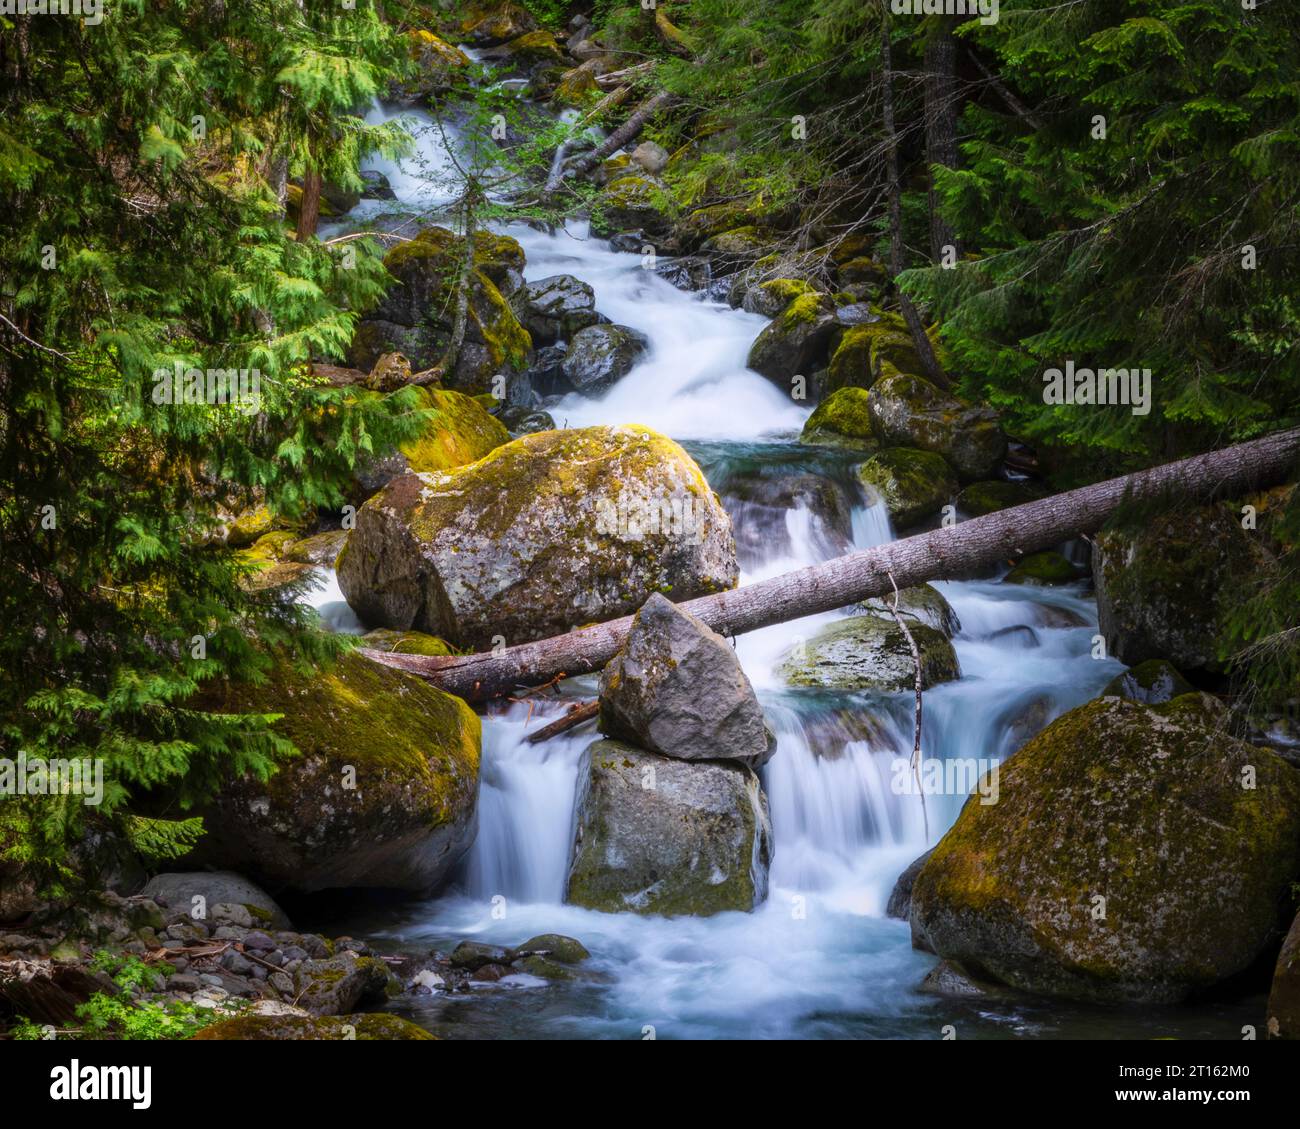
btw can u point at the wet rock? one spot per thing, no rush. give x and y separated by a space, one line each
910 411
548 531
658 835
383 795
557 307
690 272
556 947
949 979
526 421
473 955
865 652
546 372
1151 683
912 484
795 343
900 898
492 22
675 687
921 603
1142 807
375 186
760 506
1047 570
438 66
602 354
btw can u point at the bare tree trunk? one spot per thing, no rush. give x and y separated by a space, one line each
949 552
940 126
924 349
309 212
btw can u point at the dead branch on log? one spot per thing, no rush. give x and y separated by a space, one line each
575 716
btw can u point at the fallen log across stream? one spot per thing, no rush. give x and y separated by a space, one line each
945 553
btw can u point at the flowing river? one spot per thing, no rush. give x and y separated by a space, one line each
819 958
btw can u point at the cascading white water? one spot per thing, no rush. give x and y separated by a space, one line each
819 957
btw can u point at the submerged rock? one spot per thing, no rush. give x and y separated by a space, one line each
549 531
866 652
909 411
665 836
1135 854
384 794
1151 683
676 687
602 354
913 484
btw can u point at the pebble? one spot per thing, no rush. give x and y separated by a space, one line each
281 982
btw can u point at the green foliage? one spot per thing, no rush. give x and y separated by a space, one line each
139 163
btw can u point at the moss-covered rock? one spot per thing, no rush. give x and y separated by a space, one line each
867 351
1164 589
534 47
556 947
405 642
493 22
321 550
551 530
631 203
1135 853
1152 683
577 87
794 343
741 246
415 317
841 420
437 64
659 835
383 795
340 984
913 484
922 603
1045 570
770 298
868 652
249 526
910 411
980 498
363 1028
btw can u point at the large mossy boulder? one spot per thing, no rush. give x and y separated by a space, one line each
557 307
909 411
869 652
457 430
770 298
416 316
370 1027
1164 589
676 687
490 23
1134 854
550 531
658 835
795 342
866 352
601 355
841 420
913 484
384 793
437 65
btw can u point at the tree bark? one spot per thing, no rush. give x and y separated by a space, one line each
309 212
924 348
945 553
940 126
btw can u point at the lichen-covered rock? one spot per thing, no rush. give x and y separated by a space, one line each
909 411
1047 569
249 526
629 203
321 549
676 687
1283 1020
913 484
665 836
922 603
416 316
1152 683
549 531
340 984
771 297
602 354
1135 853
980 498
1163 590
179 891
557 307
384 794
841 420
794 343
363 1028
533 47
867 652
